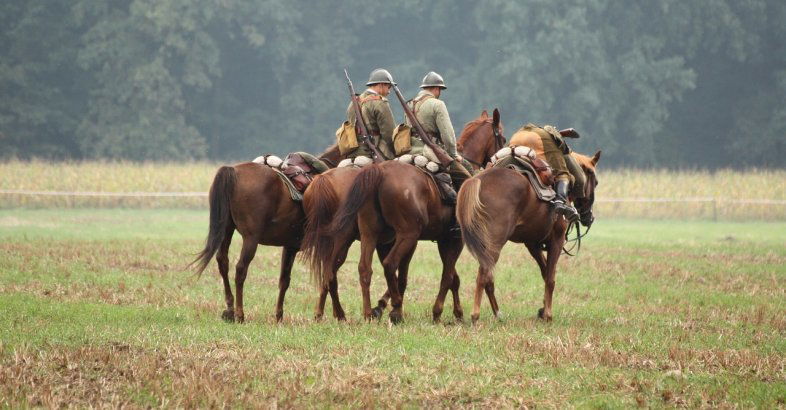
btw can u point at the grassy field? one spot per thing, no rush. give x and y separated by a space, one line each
96 307
723 185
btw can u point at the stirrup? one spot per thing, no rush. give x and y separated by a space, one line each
568 211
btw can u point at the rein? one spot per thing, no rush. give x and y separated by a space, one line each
575 241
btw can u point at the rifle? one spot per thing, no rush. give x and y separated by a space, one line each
443 156
376 156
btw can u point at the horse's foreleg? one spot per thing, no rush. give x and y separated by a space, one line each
287 259
241 270
222 258
449 251
552 256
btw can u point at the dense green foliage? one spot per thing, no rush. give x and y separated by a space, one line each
669 82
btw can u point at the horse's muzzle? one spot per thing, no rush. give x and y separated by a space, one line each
586 218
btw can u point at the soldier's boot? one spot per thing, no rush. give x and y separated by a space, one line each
446 186
561 204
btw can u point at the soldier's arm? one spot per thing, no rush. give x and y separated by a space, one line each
445 128
385 121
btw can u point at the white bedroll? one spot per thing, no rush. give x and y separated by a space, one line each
359 161
420 161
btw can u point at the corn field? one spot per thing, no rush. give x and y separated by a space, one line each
622 193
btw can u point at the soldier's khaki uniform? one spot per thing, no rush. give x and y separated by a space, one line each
554 155
432 113
379 121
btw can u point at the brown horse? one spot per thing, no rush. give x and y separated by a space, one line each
518 216
397 202
325 250
253 199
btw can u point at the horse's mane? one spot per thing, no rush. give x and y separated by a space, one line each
584 160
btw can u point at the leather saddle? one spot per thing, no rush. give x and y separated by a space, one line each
298 171
538 172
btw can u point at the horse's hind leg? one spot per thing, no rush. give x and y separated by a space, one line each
449 251
320 308
403 246
338 255
287 259
338 311
367 245
222 258
485 276
241 270
382 252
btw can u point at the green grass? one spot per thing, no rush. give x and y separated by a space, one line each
96 306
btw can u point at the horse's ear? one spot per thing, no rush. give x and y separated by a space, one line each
596 158
484 114
496 117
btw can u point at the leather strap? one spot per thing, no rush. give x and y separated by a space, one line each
371 97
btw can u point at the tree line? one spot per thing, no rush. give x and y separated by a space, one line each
662 83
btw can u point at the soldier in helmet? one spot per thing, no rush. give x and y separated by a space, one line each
376 113
433 115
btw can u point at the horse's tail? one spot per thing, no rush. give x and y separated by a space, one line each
220 217
363 188
317 245
474 221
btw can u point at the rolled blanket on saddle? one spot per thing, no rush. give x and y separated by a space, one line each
297 170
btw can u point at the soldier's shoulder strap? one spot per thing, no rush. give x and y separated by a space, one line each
416 102
370 97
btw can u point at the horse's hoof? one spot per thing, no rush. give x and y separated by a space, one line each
436 315
341 317
279 317
459 315
228 316
240 319
318 317
395 317
376 313
542 315
475 318
500 317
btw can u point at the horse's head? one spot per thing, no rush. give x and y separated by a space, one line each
584 205
481 138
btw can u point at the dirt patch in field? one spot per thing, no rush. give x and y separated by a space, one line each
210 376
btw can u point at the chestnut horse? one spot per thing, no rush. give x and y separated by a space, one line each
325 251
397 202
253 199
518 216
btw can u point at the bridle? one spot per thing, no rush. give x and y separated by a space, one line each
585 215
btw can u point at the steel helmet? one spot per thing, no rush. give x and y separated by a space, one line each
433 79
380 76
